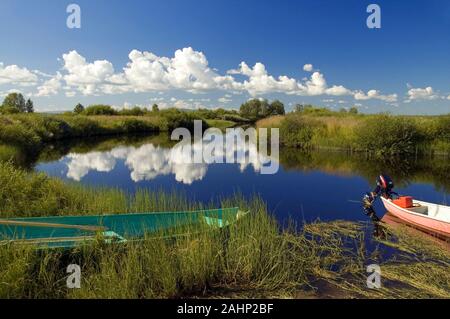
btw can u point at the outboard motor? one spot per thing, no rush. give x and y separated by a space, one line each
367 201
384 187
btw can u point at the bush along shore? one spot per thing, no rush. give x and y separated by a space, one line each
31 131
379 135
254 257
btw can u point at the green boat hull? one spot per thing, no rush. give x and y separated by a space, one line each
72 231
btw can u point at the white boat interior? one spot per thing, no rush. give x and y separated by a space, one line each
439 212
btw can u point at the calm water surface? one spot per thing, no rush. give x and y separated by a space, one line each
306 187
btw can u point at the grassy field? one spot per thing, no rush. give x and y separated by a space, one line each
252 258
381 135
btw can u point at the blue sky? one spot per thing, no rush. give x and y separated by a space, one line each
189 53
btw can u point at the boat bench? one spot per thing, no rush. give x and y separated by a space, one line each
419 209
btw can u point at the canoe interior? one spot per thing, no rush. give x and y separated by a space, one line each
69 231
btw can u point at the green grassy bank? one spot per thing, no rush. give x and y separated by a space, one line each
381 135
253 258
31 131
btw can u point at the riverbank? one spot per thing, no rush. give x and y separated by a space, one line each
31 131
253 258
379 135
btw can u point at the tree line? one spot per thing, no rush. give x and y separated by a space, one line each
251 110
16 103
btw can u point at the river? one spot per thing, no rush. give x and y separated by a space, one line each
307 186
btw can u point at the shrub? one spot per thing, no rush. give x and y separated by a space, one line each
134 125
16 133
388 135
9 153
175 118
309 109
9 110
50 128
297 131
83 126
100 109
443 127
135 111
46 127
235 118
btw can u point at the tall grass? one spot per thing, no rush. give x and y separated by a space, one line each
386 135
380 135
251 258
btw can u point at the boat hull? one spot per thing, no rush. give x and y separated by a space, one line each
420 221
71 231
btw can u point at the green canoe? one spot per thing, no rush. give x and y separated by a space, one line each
71 231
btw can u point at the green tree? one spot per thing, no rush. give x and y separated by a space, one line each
14 103
155 108
79 108
353 110
29 106
298 108
255 109
277 108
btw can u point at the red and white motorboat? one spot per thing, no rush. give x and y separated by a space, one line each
427 216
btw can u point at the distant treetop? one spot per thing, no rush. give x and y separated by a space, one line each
15 103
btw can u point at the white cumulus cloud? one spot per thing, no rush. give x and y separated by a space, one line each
13 74
51 86
187 70
375 94
308 67
421 94
90 78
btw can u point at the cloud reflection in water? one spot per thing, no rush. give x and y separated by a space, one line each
150 161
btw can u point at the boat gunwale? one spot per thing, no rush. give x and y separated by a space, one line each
199 211
390 202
